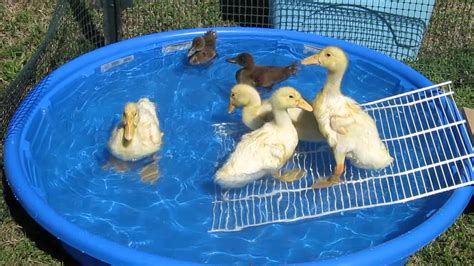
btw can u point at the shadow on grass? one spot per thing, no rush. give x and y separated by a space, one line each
42 238
470 207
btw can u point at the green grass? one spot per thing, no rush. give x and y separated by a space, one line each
454 247
21 239
454 64
19 36
447 55
156 16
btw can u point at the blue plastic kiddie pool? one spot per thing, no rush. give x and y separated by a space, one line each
56 147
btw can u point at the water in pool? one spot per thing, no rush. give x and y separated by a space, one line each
172 217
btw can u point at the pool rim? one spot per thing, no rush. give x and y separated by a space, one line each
391 251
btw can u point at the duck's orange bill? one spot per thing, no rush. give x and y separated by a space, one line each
311 60
305 105
231 108
129 129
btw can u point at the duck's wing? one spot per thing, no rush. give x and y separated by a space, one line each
149 108
352 110
150 131
149 123
267 76
197 45
152 128
263 147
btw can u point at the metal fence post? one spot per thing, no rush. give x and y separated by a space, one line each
112 21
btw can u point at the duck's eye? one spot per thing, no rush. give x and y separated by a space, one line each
232 95
291 96
328 55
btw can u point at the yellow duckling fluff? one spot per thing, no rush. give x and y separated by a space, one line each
138 135
256 112
267 149
349 130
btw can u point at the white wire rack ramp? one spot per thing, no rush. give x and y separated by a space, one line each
424 132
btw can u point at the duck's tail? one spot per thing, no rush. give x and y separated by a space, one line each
211 34
222 177
293 68
210 37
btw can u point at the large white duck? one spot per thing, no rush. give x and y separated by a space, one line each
256 112
267 149
349 130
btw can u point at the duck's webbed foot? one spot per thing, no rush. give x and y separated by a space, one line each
340 123
116 164
331 181
336 177
150 173
290 175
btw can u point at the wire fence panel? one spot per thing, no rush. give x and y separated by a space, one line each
392 27
423 132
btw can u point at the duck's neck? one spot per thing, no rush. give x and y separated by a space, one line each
332 86
249 64
254 100
282 118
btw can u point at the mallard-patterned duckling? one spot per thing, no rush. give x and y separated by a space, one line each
267 149
255 113
263 76
203 49
138 135
349 130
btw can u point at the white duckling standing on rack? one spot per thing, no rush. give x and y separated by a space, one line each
349 130
256 112
267 149
137 136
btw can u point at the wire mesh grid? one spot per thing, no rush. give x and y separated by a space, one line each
247 13
391 27
423 132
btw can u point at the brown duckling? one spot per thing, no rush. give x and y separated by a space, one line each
264 76
203 49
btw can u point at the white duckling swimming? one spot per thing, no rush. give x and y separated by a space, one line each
137 136
267 149
255 113
349 130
